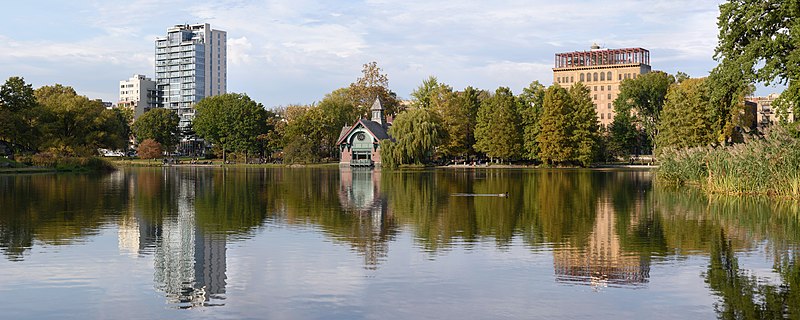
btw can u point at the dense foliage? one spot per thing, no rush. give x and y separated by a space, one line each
160 125
417 133
231 121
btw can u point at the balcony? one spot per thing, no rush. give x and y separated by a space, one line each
361 163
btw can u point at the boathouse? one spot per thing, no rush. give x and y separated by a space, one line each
360 144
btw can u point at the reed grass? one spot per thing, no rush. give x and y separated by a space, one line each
768 165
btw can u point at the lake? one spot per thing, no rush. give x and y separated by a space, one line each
330 243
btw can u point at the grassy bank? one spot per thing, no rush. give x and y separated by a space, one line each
768 166
47 162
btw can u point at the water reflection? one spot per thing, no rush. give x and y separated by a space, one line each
601 228
360 195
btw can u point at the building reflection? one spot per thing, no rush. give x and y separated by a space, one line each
602 262
190 264
360 194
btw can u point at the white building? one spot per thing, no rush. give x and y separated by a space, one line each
138 93
190 65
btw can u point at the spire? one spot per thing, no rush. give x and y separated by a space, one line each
377 104
377 112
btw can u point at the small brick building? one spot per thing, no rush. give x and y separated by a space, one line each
360 144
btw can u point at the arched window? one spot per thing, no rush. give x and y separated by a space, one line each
608 76
571 79
594 77
582 78
602 76
588 77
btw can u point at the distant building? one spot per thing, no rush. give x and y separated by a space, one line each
766 115
602 70
138 93
190 65
359 144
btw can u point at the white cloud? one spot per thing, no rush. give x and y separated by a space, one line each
320 46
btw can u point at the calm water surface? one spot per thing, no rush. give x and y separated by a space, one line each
328 244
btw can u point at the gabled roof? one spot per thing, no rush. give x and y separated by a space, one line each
374 128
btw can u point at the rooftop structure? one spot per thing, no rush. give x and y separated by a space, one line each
602 70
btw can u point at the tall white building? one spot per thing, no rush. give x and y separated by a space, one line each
190 65
138 93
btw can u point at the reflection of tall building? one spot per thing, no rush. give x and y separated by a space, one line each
360 193
189 264
602 262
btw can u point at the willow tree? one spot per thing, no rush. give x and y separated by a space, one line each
417 133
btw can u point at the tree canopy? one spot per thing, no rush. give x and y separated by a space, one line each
498 132
373 83
417 133
231 121
643 99
687 120
19 112
160 125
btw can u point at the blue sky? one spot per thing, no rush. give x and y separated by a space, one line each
287 52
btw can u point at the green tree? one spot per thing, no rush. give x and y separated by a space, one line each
73 124
643 97
758 41
623 137
687 117
335 112
19 114
532 99
498 132
231 121
373 83
416 133
159 124
585 129
460 115
303 136
554 139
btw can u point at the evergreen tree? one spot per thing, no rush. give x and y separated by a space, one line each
555 143
531 101
585 129
499 129
687 117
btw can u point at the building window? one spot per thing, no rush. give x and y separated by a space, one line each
634 76
609 96
571 79
609 87
602 76
595 97
609 76
588 77
595 88
558 79
609 105
609 116
594 77
620 76
602 88
602 116
582 78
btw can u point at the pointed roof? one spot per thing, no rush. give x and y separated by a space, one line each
377 104
376 129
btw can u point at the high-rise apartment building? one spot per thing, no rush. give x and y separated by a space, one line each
190 65
138 93
602 70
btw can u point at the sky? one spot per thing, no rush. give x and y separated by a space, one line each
285 52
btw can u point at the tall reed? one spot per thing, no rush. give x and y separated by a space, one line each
763 165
